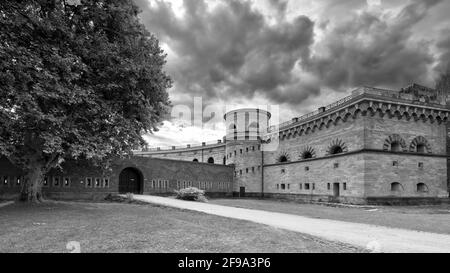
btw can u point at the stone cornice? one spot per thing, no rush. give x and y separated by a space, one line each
360 151
364 104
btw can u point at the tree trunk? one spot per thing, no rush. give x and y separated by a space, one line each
32 187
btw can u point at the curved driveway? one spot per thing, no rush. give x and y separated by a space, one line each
373 238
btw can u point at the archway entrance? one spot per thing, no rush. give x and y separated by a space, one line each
130 181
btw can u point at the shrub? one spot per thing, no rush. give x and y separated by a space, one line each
191 194
129 197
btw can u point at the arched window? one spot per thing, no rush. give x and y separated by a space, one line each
211 160
282 158
394 143
422 187
420 145
307 155
337 146
395 147
395 186
195 160
420 148
335 150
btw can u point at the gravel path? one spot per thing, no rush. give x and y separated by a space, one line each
373 238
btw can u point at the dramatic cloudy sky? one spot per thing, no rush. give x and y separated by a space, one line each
298 54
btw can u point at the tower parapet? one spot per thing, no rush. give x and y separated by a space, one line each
246 124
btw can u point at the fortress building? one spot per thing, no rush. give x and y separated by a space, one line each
374 146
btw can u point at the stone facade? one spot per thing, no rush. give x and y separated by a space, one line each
374 146
78 180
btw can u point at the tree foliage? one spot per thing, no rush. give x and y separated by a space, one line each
77 81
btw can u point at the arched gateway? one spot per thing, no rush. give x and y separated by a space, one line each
130 181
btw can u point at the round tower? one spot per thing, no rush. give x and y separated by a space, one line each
243 148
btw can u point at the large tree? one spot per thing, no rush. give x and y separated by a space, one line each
77 81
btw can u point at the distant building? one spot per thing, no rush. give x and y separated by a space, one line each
374 146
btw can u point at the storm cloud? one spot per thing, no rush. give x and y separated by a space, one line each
376 49
232 49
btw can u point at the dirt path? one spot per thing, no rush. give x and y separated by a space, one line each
374 238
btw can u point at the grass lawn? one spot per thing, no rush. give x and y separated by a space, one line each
117 227
423 218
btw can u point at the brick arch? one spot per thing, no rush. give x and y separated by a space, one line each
307 153
394 138
283 157
337 145
420 140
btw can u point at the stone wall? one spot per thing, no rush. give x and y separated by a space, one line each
200 154
79 180
317 177
378 129
383 169
349 133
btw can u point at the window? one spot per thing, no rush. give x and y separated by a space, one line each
313 186
5 180
395 163
420 148
154 184
240 151
106 182
336 150
282 159
235 153
300 186
328 186
18 180
253 148
66 182
344 186
97 182
395 186
195 160
88 182
278 186
283 186
420 165
56 181
306 168
253 169
211 160
283 171
422 187
306 186
336 165
240 172
395 146
246 150
288 186
45 181
307 155
246 170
